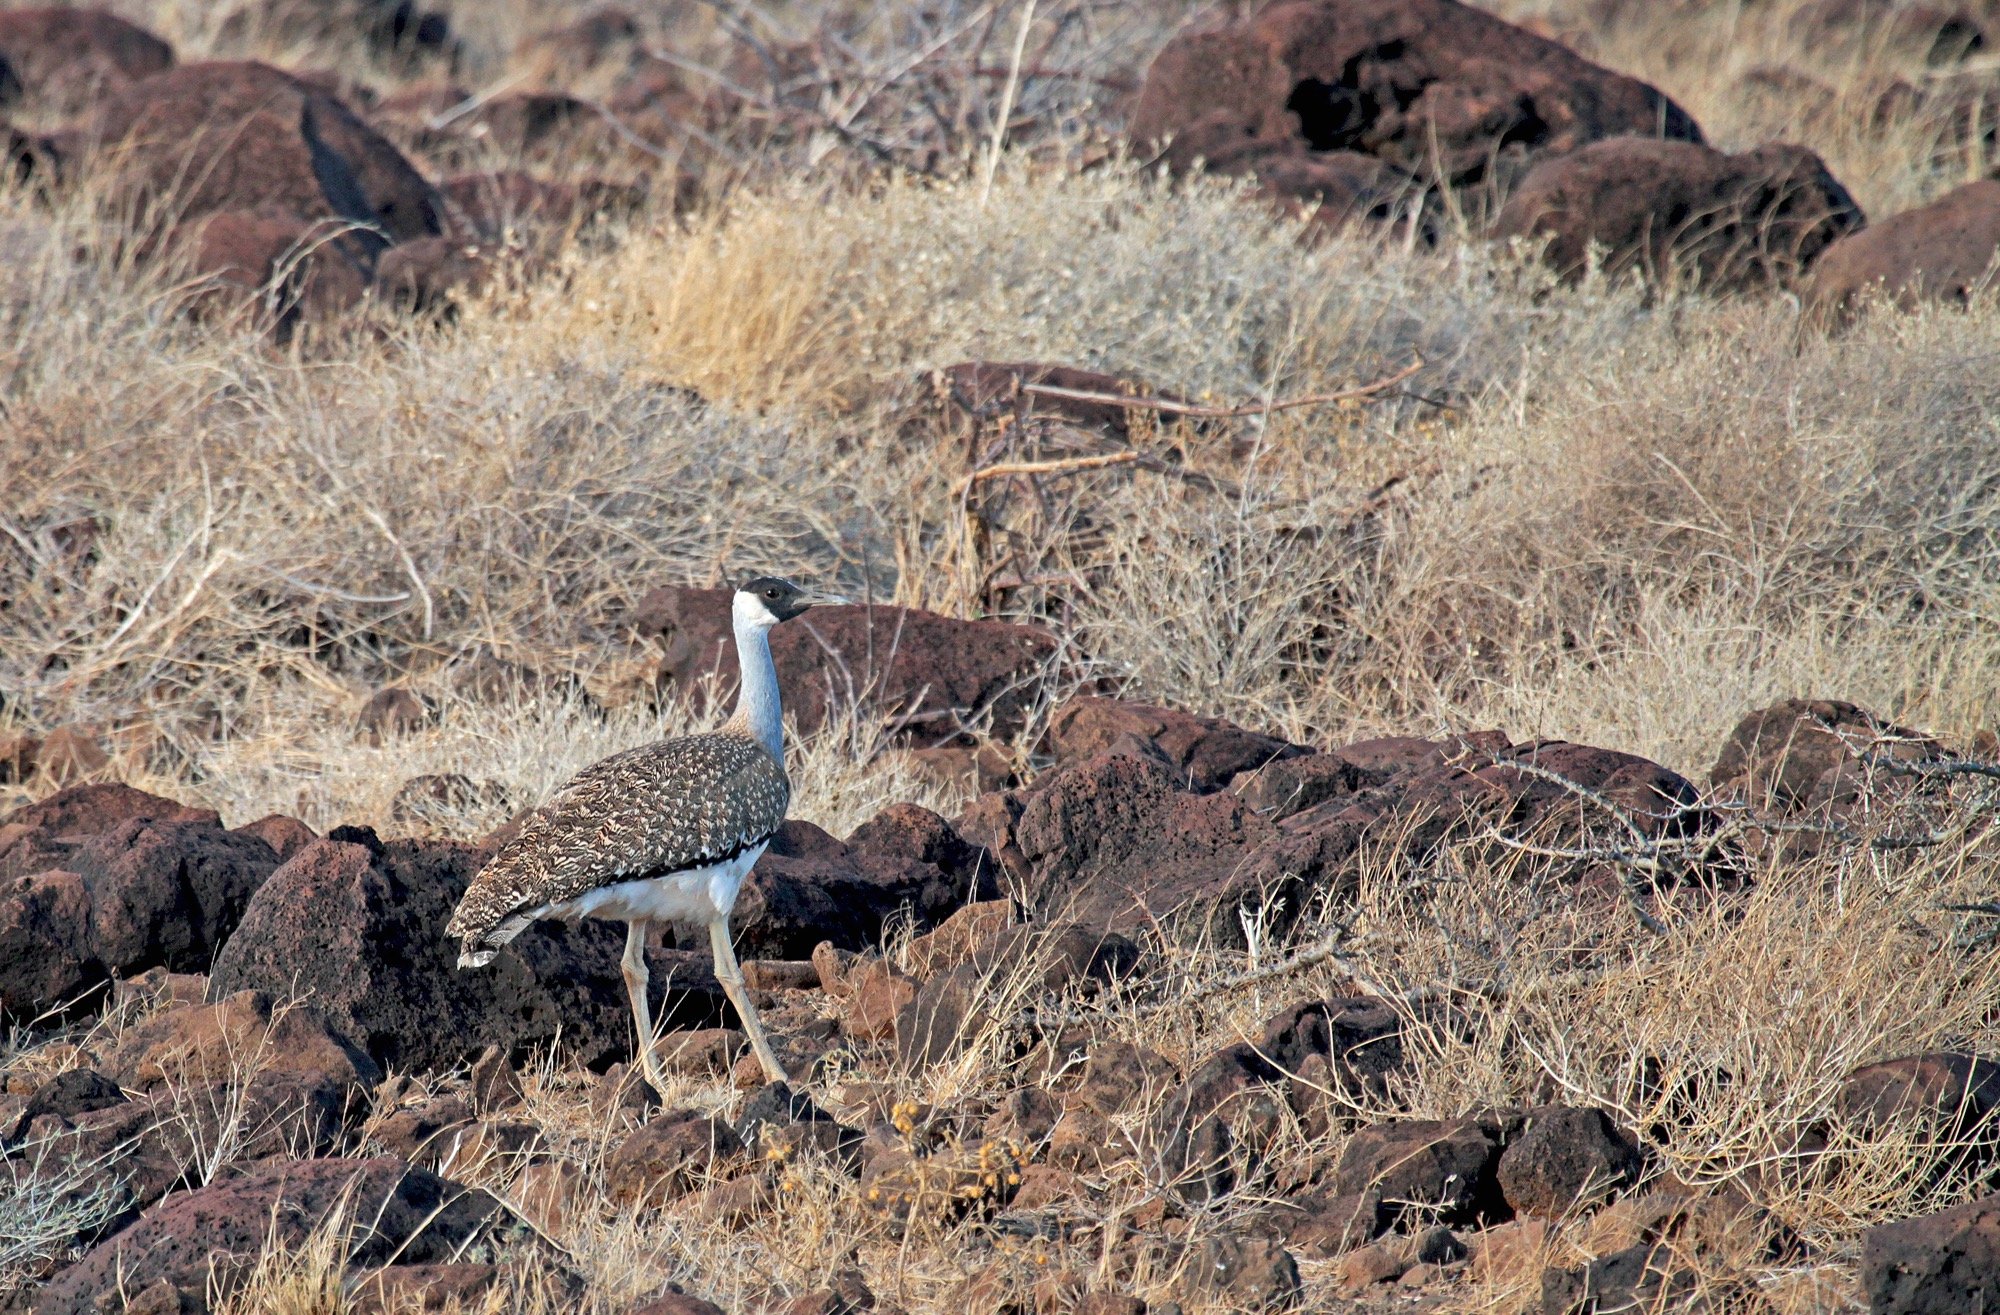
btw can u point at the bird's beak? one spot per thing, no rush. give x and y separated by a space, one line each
820 598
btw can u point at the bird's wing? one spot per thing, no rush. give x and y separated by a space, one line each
649 811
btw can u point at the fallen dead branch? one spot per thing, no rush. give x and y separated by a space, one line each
1167 406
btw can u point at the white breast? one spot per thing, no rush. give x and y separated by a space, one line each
696 895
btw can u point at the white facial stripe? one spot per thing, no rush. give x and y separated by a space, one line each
748 609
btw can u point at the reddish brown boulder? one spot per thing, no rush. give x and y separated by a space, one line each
60 57
222 136
1675 210
1437 89
1241 1272
106 881
1229 1109
1290 785
247 1032
944 1019
204 1242
809 887
676 1303
1644 1277
428 275
1940 252
915 833
212 1085
353 923
285 835
938 675
492 203
1116 839
670 1157
1566 1159
420 1133
1358 1039
393 711
1208 752
876 993
1946 1263
1812 754
1322 1225
1442 1169
398 1289
1952 1099
283 270
952 942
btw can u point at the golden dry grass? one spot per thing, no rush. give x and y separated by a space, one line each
1631 523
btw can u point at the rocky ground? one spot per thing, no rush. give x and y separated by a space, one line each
1419 733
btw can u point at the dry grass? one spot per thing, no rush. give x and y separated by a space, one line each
1627 524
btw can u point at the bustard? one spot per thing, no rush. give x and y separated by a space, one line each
663 832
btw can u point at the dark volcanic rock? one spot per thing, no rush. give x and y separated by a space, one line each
1438 1168
214 1235
1437 89
1290 785
1117 839
1674 210
1942 1264
1565 1159
1245 1273
942 1021
913 832
278 266
1208 752
809 887
245 136
669 1157
1950 1101
493 203
70 1094
1807 755
1114 840
1939 252
357 925
1645 1277
60 57
1361 1040
104 880
938 675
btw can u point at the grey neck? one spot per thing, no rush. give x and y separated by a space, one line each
757 698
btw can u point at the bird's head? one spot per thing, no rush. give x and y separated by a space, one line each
767 600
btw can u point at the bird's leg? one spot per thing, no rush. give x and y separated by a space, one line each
730 974
634 968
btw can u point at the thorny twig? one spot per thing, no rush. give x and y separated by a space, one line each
1167 406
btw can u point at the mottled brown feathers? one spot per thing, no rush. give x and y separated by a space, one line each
646 812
